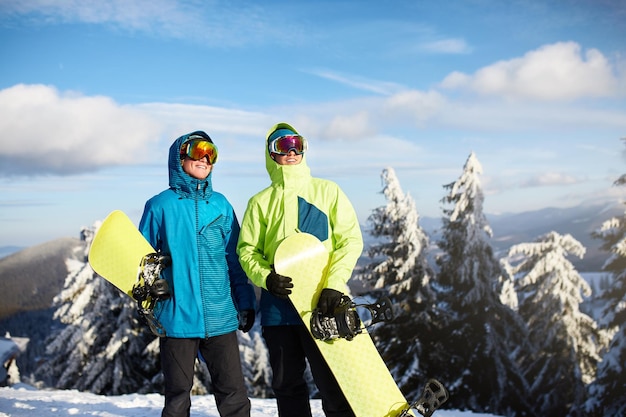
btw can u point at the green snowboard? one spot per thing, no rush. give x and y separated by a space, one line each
356 364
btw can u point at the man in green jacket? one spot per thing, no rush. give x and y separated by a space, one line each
297 202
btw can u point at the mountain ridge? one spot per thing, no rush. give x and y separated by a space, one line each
32 277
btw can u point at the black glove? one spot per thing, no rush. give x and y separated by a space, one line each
246 320
328 301
278 285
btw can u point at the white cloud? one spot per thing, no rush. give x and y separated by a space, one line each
186 117
447 46
548 179
215 23
510 97
415 106
77 133
44 131
354 126
137 14
553 72
373 86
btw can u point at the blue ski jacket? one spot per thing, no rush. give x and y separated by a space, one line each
198 228
296 202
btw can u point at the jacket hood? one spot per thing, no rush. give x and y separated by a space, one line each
181 182
287 176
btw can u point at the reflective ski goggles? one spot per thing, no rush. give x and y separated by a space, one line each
282 145
199 148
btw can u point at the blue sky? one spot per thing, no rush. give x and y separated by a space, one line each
92 93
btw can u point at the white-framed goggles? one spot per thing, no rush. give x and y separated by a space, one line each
282 145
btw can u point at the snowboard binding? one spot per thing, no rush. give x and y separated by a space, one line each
150 288
345 322
433 396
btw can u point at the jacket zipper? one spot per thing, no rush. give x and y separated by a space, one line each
200 284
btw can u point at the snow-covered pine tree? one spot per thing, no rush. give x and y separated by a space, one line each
606 393
100 346
484 338
400 270
255 362
566 341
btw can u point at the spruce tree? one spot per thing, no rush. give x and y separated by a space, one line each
99 347
400 271
484 338
257 371
607 391
400 268
566 341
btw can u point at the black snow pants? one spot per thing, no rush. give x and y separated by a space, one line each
221 354
289 347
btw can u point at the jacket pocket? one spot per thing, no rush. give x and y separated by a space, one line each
213 233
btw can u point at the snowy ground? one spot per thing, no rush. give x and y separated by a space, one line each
24 401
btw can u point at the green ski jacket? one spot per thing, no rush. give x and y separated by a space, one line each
296 202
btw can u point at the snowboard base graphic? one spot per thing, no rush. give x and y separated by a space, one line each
358 367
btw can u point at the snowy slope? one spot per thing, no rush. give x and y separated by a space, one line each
24 401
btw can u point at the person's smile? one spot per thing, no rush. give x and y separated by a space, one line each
199 169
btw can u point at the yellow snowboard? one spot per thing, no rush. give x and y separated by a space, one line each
118 250
120 254
356 364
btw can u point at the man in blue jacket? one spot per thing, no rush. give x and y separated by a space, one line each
210 294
